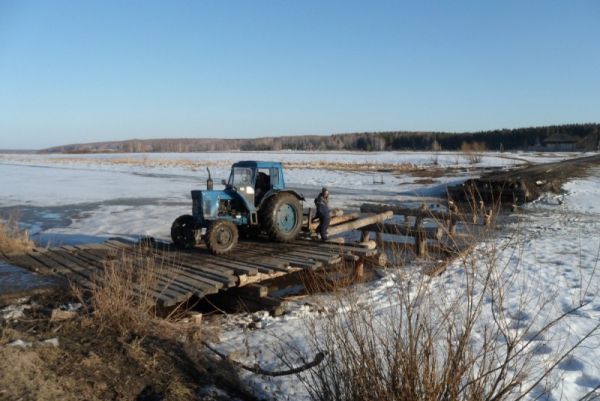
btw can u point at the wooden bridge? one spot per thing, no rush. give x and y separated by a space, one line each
179 275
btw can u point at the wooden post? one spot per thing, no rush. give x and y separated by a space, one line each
421 244
421 237
379 239
452 227
311 216
487 220
365 236
359 268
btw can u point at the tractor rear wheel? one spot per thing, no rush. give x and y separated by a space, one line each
182 232
281 217
221 236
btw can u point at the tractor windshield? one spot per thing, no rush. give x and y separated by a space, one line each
240 177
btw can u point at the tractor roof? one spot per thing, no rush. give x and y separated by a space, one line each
257 164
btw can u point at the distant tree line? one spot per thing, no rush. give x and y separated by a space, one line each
504 139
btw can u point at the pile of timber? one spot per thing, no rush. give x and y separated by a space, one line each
520 185
341 223
494 191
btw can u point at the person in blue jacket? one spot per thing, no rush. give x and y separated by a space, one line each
322 204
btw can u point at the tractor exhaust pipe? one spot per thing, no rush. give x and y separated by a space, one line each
209 182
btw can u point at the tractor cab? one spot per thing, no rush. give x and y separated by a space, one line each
253 180
254 198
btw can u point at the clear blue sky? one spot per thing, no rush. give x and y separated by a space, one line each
81 71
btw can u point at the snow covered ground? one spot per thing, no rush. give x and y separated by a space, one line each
550 250
549 254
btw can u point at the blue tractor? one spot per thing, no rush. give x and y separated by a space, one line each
254 200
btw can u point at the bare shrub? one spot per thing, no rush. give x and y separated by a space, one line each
437 342
13 239
473 151
123 295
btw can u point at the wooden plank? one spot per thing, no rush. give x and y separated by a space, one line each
340 248
204 273
78 263
117 245
314 252
197 282
278 250
79 268
280 259
94 256
38 254
101 246
264 263
211 270
120 242
62 270
262 277
27 262
210 265
246 250
184 285
167 296
303 255
262 268
187 283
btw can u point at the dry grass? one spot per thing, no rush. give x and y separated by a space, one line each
122 297
13 239
27 376
200 165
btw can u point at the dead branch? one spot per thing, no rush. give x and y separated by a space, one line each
260 371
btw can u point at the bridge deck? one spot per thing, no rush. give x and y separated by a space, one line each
179 275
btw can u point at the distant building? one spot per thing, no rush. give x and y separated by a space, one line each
561 143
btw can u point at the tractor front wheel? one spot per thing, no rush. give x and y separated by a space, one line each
281 217
221 236
182 232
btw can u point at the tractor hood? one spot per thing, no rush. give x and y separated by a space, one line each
207 205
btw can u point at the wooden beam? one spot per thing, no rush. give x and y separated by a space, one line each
336 220
405 211
400 229
338 248
359 223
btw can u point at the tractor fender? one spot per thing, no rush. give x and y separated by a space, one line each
273 192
